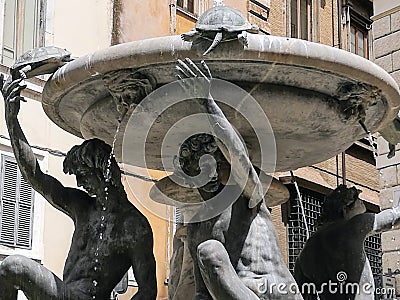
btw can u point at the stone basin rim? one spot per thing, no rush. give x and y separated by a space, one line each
263 48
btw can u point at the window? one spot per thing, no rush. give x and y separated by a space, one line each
312 202
300 19
23 28
358 21
358 41
16 206
187 5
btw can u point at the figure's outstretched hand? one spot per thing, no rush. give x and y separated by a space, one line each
12 96
198 84
195 80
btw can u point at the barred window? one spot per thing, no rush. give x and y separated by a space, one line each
16 206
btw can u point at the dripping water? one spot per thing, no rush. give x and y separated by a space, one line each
370 139
104 208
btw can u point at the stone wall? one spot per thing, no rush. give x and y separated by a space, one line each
386 31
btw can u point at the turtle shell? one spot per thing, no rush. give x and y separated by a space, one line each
41 54
223 18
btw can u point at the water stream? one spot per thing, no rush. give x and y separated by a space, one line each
104 208
370 139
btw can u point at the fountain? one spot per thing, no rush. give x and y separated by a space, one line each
285 76
309 101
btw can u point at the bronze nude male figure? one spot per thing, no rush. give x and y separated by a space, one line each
334 255
236 254
110 235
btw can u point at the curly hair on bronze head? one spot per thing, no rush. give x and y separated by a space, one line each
339 198
192 150
92 154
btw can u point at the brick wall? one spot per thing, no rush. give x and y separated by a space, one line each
328 24
386 31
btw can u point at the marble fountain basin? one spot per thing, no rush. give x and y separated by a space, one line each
313 95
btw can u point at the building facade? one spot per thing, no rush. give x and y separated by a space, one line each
386 30
342 24
45 234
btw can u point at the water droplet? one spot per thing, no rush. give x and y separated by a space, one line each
102 218
94 282
102 225
96 260
95 268
104 208
96 253
106 189
101 236
94 297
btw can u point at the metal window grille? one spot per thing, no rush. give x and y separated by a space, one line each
16 206
312 202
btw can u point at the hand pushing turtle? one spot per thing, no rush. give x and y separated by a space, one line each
39 61
221 24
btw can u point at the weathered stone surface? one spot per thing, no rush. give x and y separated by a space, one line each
396 60
385 62
286 67
382 146
397 285
381 27
391 260
388 196
388 177
396 76
382 161
391 241
387 44
395 21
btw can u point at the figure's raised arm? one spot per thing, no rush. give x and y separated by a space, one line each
49 187
227 139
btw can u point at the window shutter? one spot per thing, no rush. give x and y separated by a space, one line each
24 28
16 206
9 176
9 31
25 213
30 24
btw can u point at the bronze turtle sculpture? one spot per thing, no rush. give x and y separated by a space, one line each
221 24
39 61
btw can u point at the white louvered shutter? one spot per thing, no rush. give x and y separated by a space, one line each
16 206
